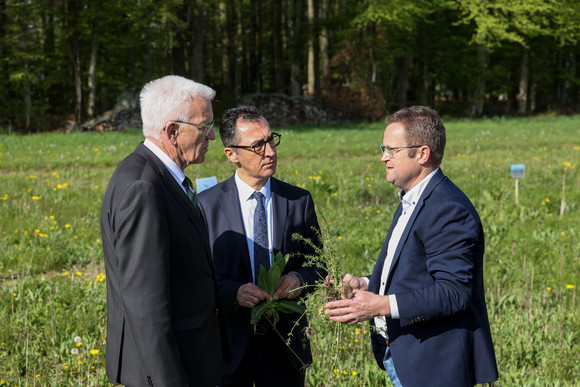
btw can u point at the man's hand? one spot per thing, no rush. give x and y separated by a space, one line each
288 287
363 306
249 295
355 283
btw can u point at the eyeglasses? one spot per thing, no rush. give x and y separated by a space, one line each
206 128
390 150
260 146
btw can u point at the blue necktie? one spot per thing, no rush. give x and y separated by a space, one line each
190 191
261 247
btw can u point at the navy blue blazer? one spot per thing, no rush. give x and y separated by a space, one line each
293 210
442 337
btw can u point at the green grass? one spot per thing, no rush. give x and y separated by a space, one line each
51 263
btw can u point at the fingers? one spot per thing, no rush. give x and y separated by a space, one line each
288 288
354 282
249 295
328 281
341 311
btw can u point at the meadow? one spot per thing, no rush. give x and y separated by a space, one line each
52 288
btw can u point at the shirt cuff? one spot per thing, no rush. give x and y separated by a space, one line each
394 306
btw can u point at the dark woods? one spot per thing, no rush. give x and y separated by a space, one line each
67 61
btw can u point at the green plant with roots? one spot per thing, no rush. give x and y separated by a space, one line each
327 289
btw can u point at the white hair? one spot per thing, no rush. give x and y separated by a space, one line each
168 98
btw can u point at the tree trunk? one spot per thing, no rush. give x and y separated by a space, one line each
23 24
295 83
479 93
524 78
255 53
324 55
75 55
93 64
277 46
225 52
147 55
401 64
313 49
371 32
238 51
197 17
573 85
532 89
426 98
178 48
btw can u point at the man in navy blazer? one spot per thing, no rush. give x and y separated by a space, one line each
425 298
259 354
164 319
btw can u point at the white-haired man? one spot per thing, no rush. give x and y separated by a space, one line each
164 322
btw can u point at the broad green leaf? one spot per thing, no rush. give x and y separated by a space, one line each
257 312
288 306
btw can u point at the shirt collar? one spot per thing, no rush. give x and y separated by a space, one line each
413 196
177 172
246 191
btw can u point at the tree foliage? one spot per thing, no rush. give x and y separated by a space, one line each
69 59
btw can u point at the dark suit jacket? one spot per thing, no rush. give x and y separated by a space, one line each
293 212
163 323
442 337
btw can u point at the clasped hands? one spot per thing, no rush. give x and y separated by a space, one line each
363 306
250 295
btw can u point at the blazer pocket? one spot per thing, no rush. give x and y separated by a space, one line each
186 323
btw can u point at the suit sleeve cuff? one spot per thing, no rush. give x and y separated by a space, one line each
394 306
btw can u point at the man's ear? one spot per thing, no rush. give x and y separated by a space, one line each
231 154
170 132
424 155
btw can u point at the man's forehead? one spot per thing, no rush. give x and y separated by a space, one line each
254 128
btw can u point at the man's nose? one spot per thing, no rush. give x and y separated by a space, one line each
211 135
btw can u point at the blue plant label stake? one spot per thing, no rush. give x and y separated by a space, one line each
518 170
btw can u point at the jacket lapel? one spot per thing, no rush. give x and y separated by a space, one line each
232 213
435 180
279 216
177 192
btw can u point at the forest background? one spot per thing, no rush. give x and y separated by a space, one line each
69 60
63 62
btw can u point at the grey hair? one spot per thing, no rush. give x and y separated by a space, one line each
168 98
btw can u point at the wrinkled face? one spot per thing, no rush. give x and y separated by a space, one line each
192 142
253 168
402 171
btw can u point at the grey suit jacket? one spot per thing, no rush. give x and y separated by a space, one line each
293 210
163 317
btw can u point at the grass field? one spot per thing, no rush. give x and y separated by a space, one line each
52 289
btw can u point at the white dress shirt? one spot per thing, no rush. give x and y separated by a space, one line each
408 201
176 172
248 206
